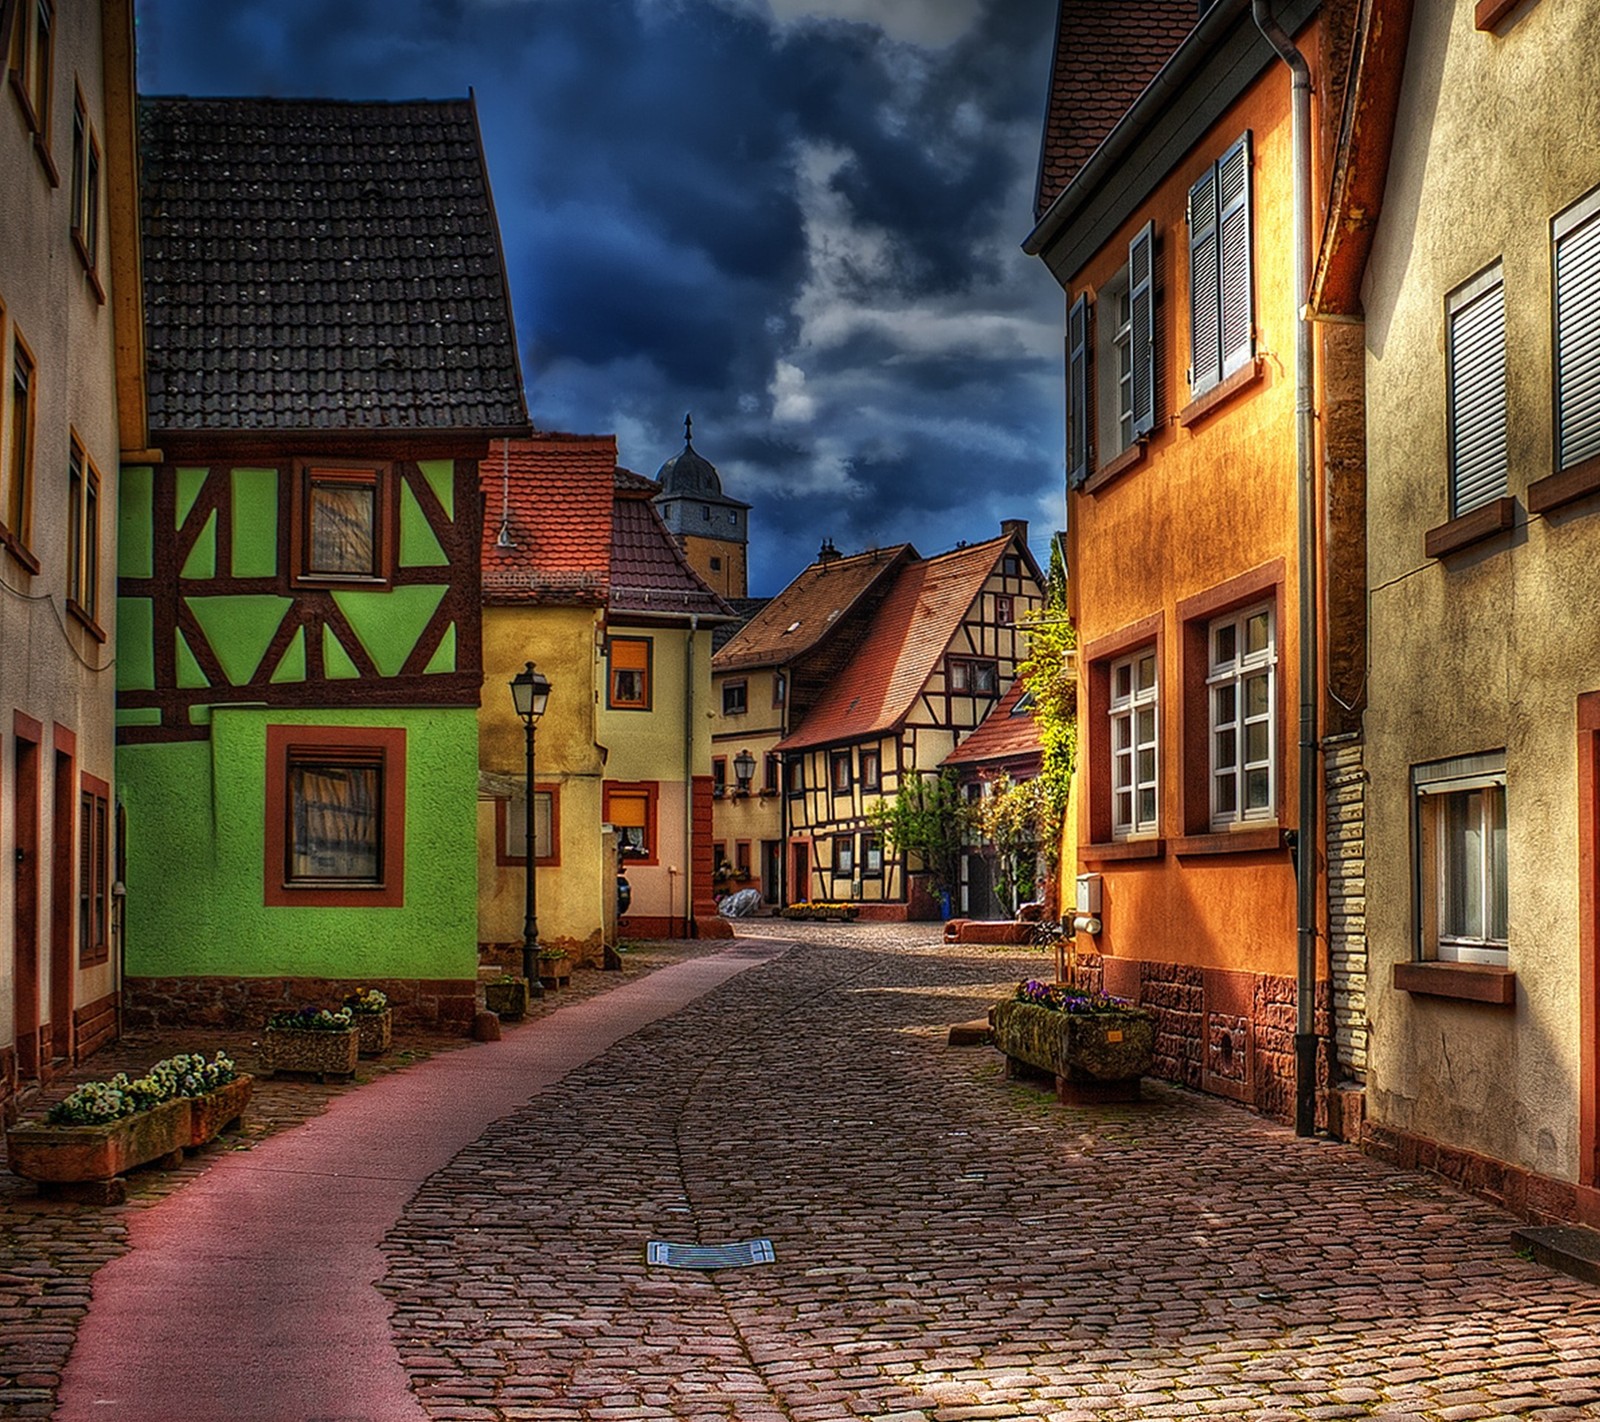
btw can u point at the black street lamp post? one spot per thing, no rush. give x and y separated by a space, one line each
530 693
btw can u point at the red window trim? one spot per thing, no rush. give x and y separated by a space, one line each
391 742
380 475
651 790
1097 657
502 829
1193 742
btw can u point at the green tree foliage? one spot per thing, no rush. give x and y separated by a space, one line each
1047 674
927 820
1017 822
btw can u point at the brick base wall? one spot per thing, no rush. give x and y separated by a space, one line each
1521 1191
95 1024
1226 1033
445 1003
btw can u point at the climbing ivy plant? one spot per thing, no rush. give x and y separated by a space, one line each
928 819
1047 674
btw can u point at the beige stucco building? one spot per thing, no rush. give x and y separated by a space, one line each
71 404
1482 305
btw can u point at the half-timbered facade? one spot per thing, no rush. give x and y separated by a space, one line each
941 652
71 398
299 593
765 680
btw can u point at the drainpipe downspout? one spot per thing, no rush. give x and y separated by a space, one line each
688 777
1305 858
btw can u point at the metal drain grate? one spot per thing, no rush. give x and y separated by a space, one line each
709 1256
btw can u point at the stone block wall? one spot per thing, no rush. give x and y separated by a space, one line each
1346 786
246 1003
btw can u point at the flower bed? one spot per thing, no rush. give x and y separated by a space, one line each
821 912
105 1128
312 1040
1096 1047
374 1020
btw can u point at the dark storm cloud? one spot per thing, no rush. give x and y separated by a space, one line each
797 223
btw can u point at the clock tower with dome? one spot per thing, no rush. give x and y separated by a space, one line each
711 528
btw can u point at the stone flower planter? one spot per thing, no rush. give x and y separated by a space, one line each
375 1030
1096 1056
317 1053
555 972
210 1115
508 999
64 1154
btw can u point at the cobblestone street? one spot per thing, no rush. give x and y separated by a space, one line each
949 1245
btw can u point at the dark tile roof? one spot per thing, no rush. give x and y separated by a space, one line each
1106 52
909 635
558 492
636 483
314 265
649 573
801 615
1005 736
744 608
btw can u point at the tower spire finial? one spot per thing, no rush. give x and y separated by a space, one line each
688 428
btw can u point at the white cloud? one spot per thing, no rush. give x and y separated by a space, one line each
791 402
933 24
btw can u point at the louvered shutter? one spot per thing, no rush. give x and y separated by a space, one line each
1142 309
1078 392
1577 238
1477 376
1205 315
1233 256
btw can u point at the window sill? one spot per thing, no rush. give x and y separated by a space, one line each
1465 982
1556 490
87 262
1262 839
1470 528
86 618
1221 393
1130 458
17 549
1490 12
1152 848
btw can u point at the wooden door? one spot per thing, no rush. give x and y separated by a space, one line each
800 875
25 907
63 802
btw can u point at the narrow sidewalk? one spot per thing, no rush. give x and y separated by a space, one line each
251 1294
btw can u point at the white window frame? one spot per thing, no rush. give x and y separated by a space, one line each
1479 781
1127 704
1236 673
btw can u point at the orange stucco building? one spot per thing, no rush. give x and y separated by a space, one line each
1169 222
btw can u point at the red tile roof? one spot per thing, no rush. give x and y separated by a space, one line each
809 608
559 524
649 573
909 635
1106 53
1006 734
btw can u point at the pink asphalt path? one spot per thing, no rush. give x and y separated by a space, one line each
250 1293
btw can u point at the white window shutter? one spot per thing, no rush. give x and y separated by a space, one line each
1477 393
1205 313
1078 414
1577 276
1233 257
1142 306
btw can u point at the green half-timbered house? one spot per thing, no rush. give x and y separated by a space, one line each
300 661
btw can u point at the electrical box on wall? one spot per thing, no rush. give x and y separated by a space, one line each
1089 895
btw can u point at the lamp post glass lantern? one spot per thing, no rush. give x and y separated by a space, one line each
530 694
744 768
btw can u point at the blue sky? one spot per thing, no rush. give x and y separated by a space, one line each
798 219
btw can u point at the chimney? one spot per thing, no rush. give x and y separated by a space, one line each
829 554
1018 526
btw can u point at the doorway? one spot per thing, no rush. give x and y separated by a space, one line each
800 875
62 801
771 870
25 905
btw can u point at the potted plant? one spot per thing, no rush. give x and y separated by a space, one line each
553 972
507 997
315 1040
104 1128
1095 1046
374 1020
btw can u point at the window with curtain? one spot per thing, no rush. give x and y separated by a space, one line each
1461 842
335 817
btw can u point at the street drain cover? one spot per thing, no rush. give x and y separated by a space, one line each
709 1256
